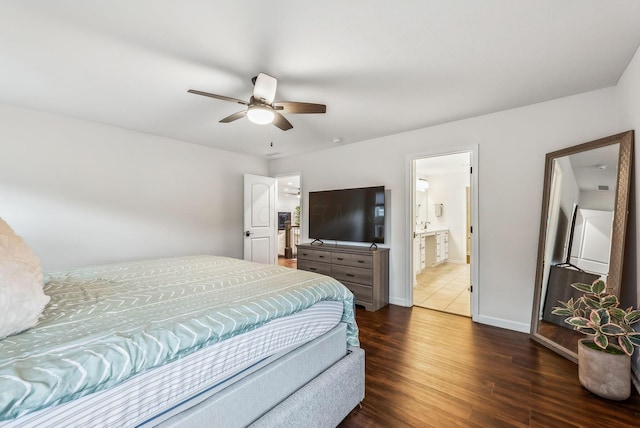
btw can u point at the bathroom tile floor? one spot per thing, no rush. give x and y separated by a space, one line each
444 288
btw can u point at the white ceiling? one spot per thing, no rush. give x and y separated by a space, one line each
596 167
381 67
288 186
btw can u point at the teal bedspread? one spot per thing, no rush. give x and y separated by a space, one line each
106 323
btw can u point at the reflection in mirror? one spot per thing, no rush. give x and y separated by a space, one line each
583 225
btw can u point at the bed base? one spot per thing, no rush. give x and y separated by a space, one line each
316 385
325 401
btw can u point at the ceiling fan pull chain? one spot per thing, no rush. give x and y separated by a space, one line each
271 136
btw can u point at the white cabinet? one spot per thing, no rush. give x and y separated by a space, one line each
430 249
443 251
436 248
419 253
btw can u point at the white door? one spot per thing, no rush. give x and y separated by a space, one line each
260 219
592 241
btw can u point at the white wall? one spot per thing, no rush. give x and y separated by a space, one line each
561 212
450 190
288 203
598 199
83 193
512 147
629 92
422 209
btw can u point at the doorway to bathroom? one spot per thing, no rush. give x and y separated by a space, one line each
442 223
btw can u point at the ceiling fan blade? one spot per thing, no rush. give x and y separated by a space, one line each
280 121
220 97
300 108
234 116
265 88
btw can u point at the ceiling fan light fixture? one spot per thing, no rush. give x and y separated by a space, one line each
260 115
261 108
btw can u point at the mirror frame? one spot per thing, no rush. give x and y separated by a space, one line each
618 233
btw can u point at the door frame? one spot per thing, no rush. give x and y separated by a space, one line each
302 222
410 191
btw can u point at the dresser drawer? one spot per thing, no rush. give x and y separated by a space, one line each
362 293
362 260
341 259
314 255
365 271
358 260
352 274
317 267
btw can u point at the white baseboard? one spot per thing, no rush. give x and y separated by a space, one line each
399 302
482 319
502 323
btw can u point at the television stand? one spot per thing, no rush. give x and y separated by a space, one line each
363 270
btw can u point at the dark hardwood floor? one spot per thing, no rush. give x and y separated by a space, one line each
431 369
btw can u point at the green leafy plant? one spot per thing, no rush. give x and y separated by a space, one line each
597 314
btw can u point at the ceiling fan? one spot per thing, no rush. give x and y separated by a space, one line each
261 108
296 191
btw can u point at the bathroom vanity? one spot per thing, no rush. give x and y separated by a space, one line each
433 247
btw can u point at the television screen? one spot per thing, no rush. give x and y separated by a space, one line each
283 217
355 215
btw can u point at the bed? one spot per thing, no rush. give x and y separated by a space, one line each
186 341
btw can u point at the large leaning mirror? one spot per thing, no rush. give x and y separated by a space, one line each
582 231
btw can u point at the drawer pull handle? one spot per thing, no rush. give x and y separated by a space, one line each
350 275
321 257
360 261
305 254
313 269
339 258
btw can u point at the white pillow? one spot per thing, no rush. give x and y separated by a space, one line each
21 297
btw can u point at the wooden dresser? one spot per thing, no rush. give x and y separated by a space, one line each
364 271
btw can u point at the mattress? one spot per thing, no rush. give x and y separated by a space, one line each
106 324
157 391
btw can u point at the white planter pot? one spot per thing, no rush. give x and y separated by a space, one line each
605 374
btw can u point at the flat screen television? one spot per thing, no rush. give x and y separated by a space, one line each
283 217
355 215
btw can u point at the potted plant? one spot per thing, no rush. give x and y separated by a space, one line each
604 359
296 216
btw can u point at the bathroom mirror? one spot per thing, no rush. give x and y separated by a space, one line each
582 231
